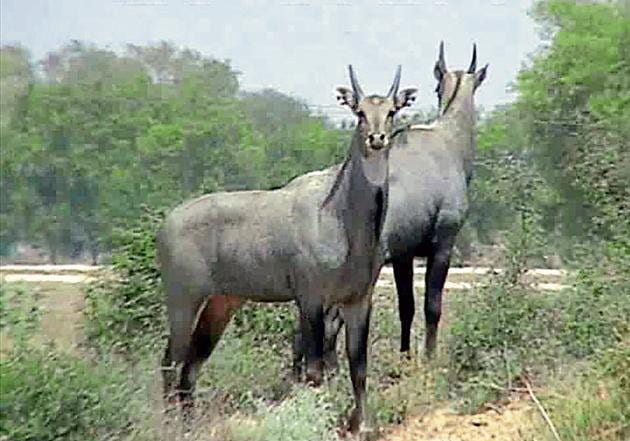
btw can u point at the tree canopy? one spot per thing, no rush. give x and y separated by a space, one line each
89 136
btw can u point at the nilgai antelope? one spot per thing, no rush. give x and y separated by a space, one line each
315 242
429 173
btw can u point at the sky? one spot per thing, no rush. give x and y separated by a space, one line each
300 47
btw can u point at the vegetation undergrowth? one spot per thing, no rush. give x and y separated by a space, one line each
49 393
591 404
125 308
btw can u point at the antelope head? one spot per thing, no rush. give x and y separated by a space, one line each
375 113
452 82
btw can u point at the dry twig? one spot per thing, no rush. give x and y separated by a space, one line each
542 410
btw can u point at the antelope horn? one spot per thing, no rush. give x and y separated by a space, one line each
355 84
473 63
441 61
394 89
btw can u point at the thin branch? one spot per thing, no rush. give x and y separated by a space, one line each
542 410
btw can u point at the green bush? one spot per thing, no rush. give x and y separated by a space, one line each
596 314
307 416
272 323
20 313
593 405
243 370
499 332
48 395
125 311
504 330
51 394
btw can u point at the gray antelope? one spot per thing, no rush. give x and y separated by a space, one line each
315 242
429 173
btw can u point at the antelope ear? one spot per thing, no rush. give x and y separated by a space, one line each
346 97
480 75
406 97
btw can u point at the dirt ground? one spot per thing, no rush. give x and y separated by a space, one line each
507 423
62 314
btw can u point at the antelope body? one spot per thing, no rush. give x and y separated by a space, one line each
429 172
313 241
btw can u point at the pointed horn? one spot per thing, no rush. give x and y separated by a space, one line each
473 63
393 91
441 61
355 84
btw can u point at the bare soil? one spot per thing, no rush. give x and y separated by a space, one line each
62 315
507 423
62 319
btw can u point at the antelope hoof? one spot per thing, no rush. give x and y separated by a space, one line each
359 427
172 399
332 364
296 375
405 356
354 421
314 379
315 373
430 345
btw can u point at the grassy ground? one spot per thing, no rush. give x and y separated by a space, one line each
246 389
244 392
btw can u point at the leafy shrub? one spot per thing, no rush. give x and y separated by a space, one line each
504 330
272 323
243 370
48 395
500 331
307 416
125 310
614 362
596 314
595 404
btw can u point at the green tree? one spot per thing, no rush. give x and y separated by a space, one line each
575 88
98 134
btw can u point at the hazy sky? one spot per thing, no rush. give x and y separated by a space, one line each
300 47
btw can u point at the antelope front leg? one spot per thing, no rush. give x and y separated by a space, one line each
333 322
298 350
357 318
312 326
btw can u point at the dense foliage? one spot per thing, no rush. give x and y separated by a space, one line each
88 136
572 122
125 309
49 395
565 146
